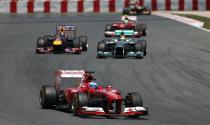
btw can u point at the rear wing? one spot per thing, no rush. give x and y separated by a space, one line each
125 32
132 18
70 73
65 27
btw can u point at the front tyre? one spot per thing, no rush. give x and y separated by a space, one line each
147 11
144 46
138 46
79 100
40 44
133 99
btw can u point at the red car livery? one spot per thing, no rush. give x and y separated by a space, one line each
89 98
127 23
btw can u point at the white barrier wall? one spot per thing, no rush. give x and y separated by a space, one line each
80 6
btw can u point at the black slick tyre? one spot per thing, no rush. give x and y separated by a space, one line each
48 97
40 42
83 40
101 48
108 27
133 99
126 11
76 43
138 46
143 29
79 100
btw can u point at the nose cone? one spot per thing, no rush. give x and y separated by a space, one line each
122 25
57 42
119 44
114 96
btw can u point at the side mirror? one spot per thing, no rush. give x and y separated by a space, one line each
83 86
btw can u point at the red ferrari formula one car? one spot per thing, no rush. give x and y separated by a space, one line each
64 41
127 23
89 98
135 8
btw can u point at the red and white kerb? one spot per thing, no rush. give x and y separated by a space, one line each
97 6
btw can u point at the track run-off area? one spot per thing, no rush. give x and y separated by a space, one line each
173 79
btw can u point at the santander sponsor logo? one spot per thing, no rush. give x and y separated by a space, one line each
73 72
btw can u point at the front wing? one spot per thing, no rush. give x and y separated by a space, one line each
128 111
43 50
129 54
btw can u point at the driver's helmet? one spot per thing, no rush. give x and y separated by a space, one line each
62 34
126 20
122 36
132 6
93 85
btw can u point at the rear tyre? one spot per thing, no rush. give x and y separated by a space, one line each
48 96
79 100
137 28
83 41
126 11
108 27
143 29
76 43
147 11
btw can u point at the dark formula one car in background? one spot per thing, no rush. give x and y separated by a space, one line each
64 41
122 47
127 23
89 98
135 8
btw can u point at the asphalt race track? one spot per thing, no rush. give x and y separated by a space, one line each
173 79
